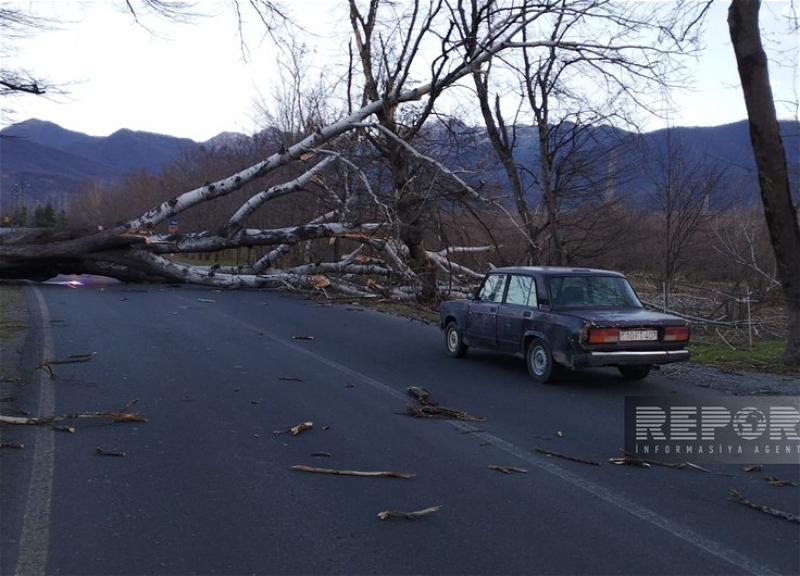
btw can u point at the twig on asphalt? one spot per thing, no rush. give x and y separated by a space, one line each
766 509
103 452
565 457
508 469
121 415
436 411
384 473
776 482
384 514
295 430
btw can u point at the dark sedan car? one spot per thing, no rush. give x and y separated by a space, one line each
564 318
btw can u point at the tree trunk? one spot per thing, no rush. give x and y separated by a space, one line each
558 253
770 159
503 146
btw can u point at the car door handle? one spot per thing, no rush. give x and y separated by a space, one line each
527 314
493 309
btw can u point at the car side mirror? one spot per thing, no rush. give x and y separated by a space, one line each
471 296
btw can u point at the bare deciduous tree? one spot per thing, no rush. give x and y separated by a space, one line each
15 25
583 76
683 186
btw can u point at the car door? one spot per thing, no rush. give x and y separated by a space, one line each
516 313
482 329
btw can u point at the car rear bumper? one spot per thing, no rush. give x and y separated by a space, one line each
628 358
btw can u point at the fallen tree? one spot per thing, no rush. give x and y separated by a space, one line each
369 185
132 250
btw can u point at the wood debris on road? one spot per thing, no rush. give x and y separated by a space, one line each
362 473
15 445
302 427
295 430
121 415
73 358
630 461
47 365
776 482
384 514
766 509
635 460
420 394
431 409
436 411
508 469
566 457
104 452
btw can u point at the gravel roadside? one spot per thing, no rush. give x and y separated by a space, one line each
13 329
734 382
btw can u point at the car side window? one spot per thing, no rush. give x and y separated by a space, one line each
521 290
492 289
533 300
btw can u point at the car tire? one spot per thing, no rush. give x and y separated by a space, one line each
541 366
454 341
638 372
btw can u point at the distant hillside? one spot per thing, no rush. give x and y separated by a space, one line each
726 149
49 163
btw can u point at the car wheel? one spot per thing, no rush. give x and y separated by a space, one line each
455 344
540 362
635 372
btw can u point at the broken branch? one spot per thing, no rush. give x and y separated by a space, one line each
508 469
635 460
565 457
15 445
420 394
72 358
295 430
103 452
777 482
434 410
47 365
385 473
767 510
384 514
121 415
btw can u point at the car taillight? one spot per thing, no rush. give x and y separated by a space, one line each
676 334
603 336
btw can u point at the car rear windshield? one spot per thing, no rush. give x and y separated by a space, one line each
591 292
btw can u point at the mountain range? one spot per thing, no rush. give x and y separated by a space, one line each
43 162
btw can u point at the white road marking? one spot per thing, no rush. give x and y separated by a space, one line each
34 536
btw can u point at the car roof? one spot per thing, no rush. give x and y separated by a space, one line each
554 271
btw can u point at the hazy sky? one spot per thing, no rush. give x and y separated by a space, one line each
190 80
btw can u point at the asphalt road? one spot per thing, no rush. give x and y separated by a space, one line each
206 485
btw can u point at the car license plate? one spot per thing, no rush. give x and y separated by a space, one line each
632 335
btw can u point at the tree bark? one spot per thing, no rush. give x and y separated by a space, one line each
770 159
